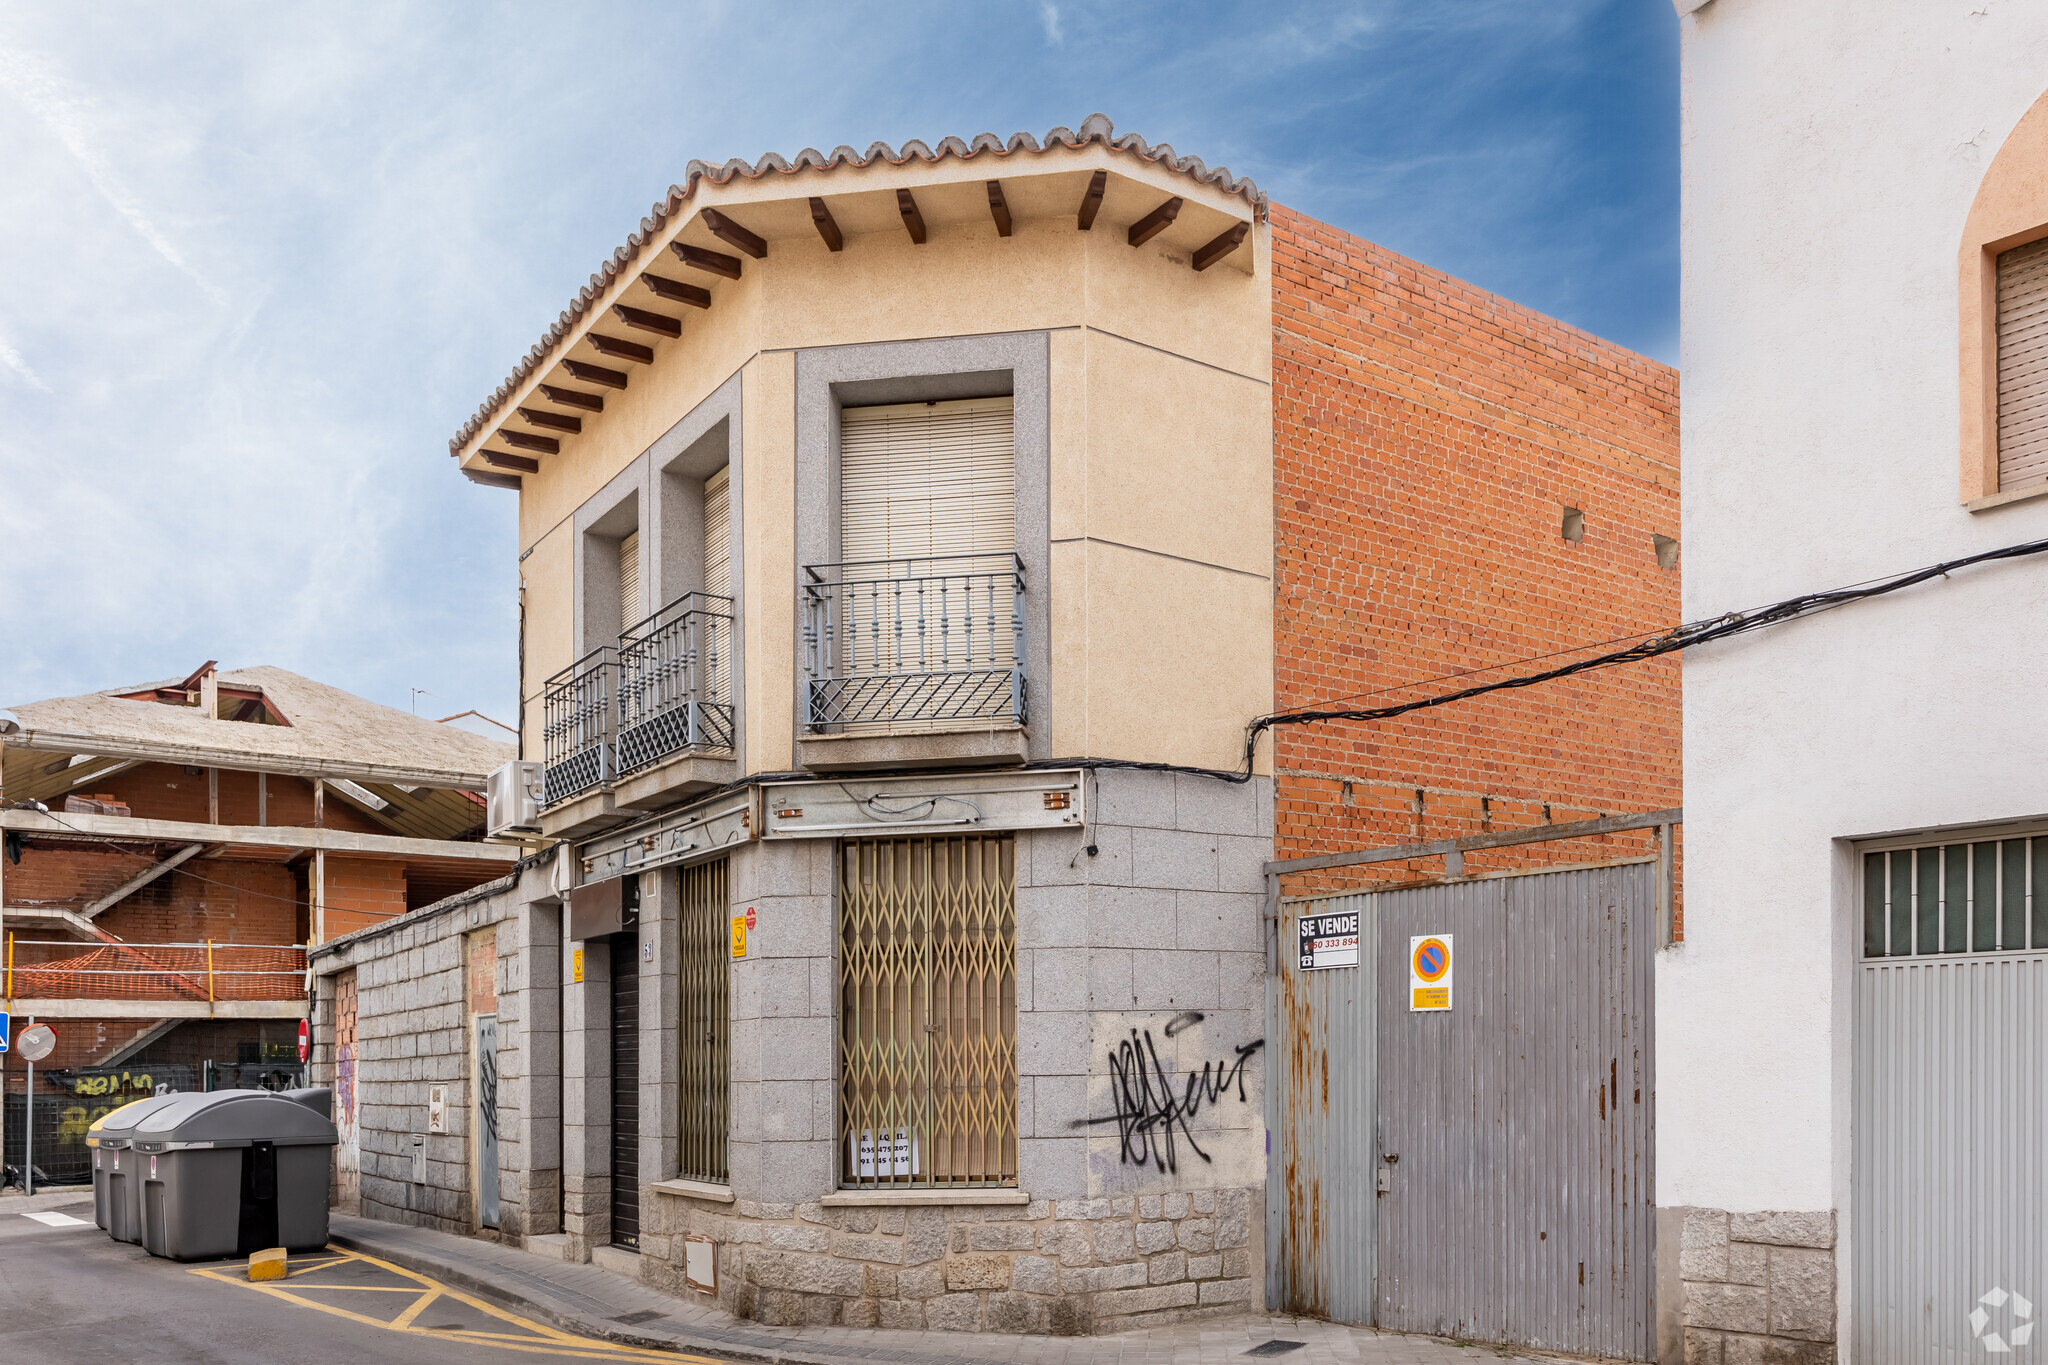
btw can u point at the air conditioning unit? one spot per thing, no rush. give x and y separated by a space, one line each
514 800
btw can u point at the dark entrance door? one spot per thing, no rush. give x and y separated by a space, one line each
626 1072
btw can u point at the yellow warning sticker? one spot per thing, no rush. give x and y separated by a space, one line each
739 935
576 967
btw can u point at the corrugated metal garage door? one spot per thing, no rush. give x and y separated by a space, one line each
1513 1133
1949 1185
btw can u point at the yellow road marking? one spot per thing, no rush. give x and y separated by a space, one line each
412 1311
534 1338
364 1288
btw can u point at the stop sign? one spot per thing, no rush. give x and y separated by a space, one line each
305 1040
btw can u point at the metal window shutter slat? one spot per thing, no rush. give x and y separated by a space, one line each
629 582
920 480
2023 365
718 535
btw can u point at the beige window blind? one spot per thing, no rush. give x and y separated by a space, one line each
2023 365
629 582
919 480
717 536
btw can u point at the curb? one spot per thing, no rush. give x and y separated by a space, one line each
774 1354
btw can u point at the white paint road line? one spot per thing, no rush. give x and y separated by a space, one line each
58 1220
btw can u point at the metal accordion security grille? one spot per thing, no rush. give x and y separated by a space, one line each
928 1012
704 1061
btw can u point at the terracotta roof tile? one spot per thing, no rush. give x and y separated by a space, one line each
1095 128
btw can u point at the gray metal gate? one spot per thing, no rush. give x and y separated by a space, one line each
1948 1231
1320 1230
1509 1139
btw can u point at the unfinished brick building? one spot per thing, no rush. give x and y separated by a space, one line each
171 850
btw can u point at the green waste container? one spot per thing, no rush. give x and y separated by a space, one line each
232 1172
116 1192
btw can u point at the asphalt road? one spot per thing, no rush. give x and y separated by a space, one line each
70 1293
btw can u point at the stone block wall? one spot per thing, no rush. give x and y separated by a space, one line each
413 1032
1140 1093
1066 1266
1757 1288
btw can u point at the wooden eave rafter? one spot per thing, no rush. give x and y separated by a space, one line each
732 234
618 348
552 421
502 460
1155 222
1091 202
1221 246
828 228
711 262
999 208
675 291
913 220
594 374
546 445
573 398
661 324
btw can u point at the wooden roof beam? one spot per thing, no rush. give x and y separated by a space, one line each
553 421
661 324
1221 246
546 445
504 461
490 480
999 208
1091 202
913 221
573 398
675 291
1155 222
821 219
619 349
712 262
732 234
595 374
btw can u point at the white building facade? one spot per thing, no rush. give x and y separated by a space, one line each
1851 1038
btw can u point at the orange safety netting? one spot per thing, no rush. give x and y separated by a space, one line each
123 971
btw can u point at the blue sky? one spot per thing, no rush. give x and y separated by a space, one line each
258 262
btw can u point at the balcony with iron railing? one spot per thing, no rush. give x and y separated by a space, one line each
675 682
663 691
914 645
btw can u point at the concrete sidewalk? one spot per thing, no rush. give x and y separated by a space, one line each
583 1298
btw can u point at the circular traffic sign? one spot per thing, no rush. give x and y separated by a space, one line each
750 917
36 1042
1432 960
305 1041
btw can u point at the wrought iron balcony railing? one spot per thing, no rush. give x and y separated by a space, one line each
914 643
578 712
675 682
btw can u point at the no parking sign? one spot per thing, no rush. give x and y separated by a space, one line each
1429 973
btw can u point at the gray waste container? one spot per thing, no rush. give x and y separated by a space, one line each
232 1172
116 1192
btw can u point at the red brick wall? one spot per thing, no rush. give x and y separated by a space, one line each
164 791
362 892
1427 437
224 900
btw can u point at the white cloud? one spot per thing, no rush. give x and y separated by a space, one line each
1049 19
11 358
68 118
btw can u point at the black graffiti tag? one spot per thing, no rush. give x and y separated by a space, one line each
1148 1111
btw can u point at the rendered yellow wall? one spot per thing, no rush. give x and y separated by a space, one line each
1160 432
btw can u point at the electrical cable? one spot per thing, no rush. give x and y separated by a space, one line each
1683 637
